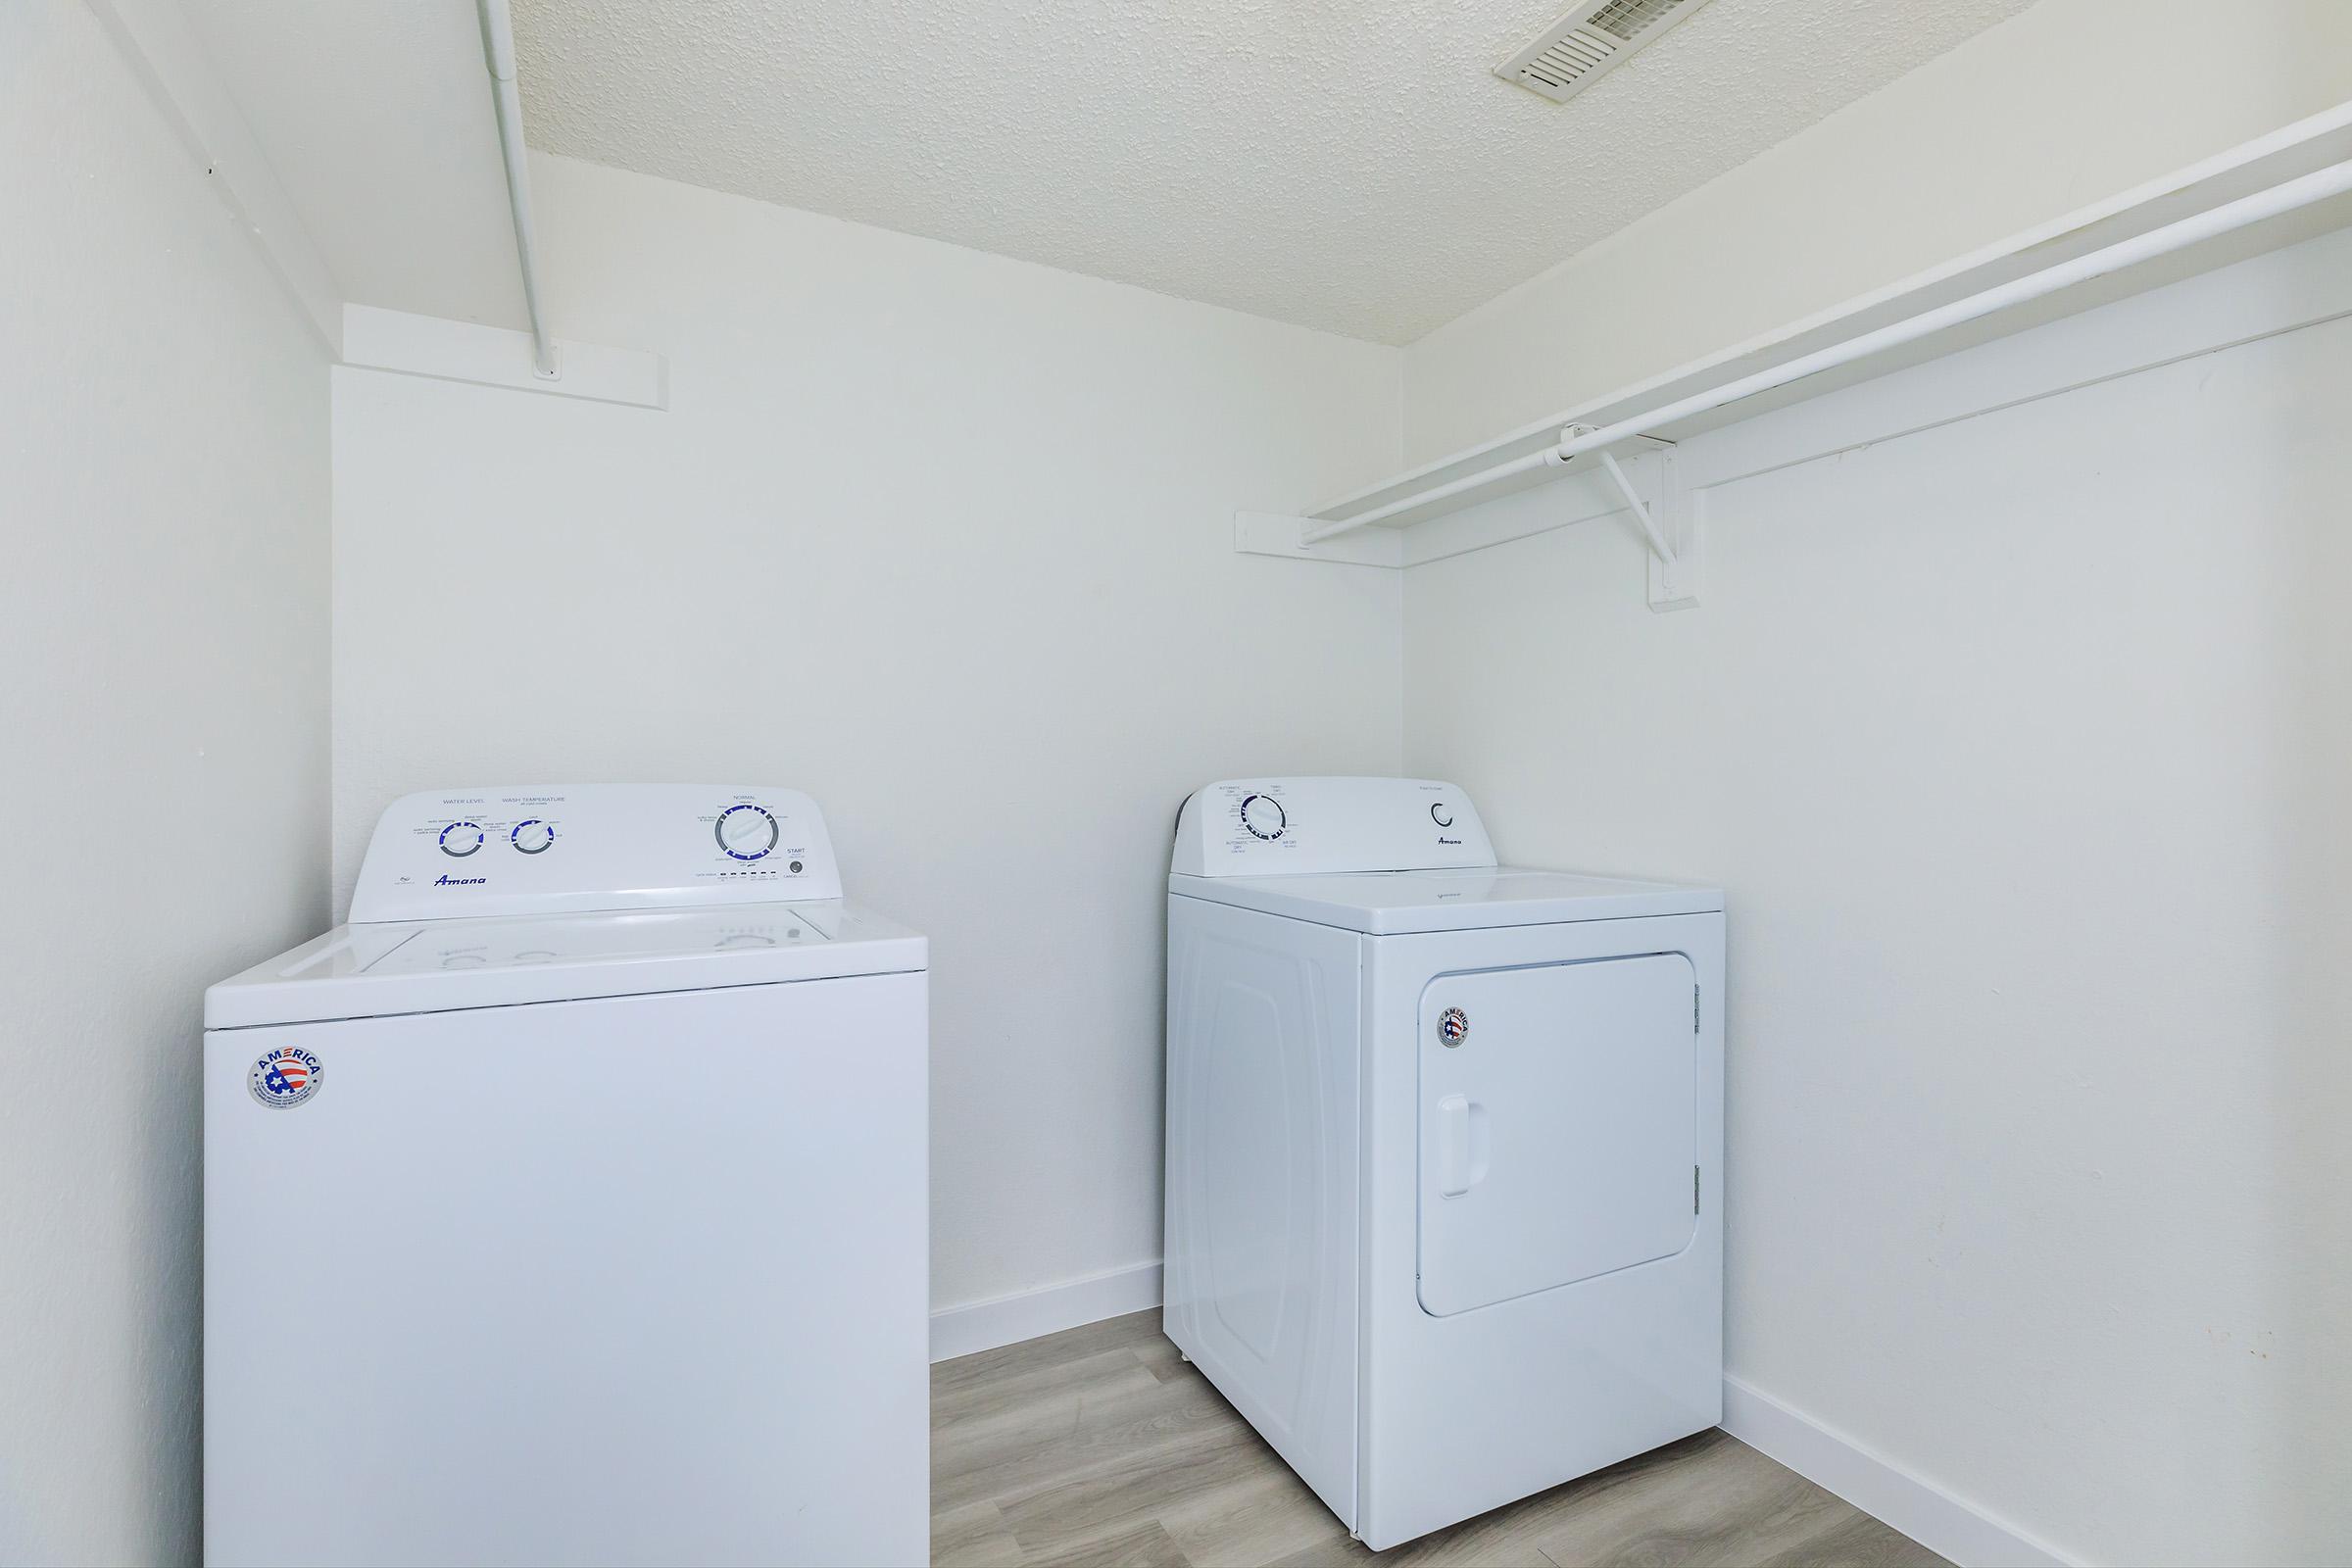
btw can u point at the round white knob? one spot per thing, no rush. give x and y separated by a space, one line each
461 839
747 832
1263 815
533 837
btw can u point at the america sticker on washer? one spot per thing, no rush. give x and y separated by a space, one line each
287 1076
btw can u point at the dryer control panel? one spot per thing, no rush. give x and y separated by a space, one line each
544 850
1298 826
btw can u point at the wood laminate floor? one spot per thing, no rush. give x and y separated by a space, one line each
1102 1447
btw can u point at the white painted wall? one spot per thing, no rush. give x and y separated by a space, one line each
2066 103
2022 745
164 501
942 538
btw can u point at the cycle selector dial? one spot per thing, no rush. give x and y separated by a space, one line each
747 832
461 839
1263 816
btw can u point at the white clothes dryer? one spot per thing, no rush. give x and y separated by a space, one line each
1445 1148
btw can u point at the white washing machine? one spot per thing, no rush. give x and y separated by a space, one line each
569 1205
1445 1148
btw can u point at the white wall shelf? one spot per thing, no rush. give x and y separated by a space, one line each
2290 185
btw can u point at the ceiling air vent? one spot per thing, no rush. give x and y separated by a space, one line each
1589 42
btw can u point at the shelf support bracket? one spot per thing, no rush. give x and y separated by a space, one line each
1669 522
1658 547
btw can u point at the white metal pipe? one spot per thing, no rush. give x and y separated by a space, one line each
2317 187
498 53
1547 458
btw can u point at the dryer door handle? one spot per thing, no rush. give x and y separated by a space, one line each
1461 1144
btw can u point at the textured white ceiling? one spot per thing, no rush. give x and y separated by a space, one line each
376 119
1349 164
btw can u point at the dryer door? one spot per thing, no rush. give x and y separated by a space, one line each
1559 1125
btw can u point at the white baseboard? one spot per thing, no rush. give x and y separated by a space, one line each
1010 1319
1879 1487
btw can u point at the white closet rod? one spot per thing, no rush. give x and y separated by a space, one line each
2333 180
498 53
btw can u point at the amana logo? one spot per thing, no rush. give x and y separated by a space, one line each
460 881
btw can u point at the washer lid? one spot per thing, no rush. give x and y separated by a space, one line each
373 970
1391 902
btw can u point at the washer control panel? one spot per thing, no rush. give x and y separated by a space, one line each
1281 827
523 850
